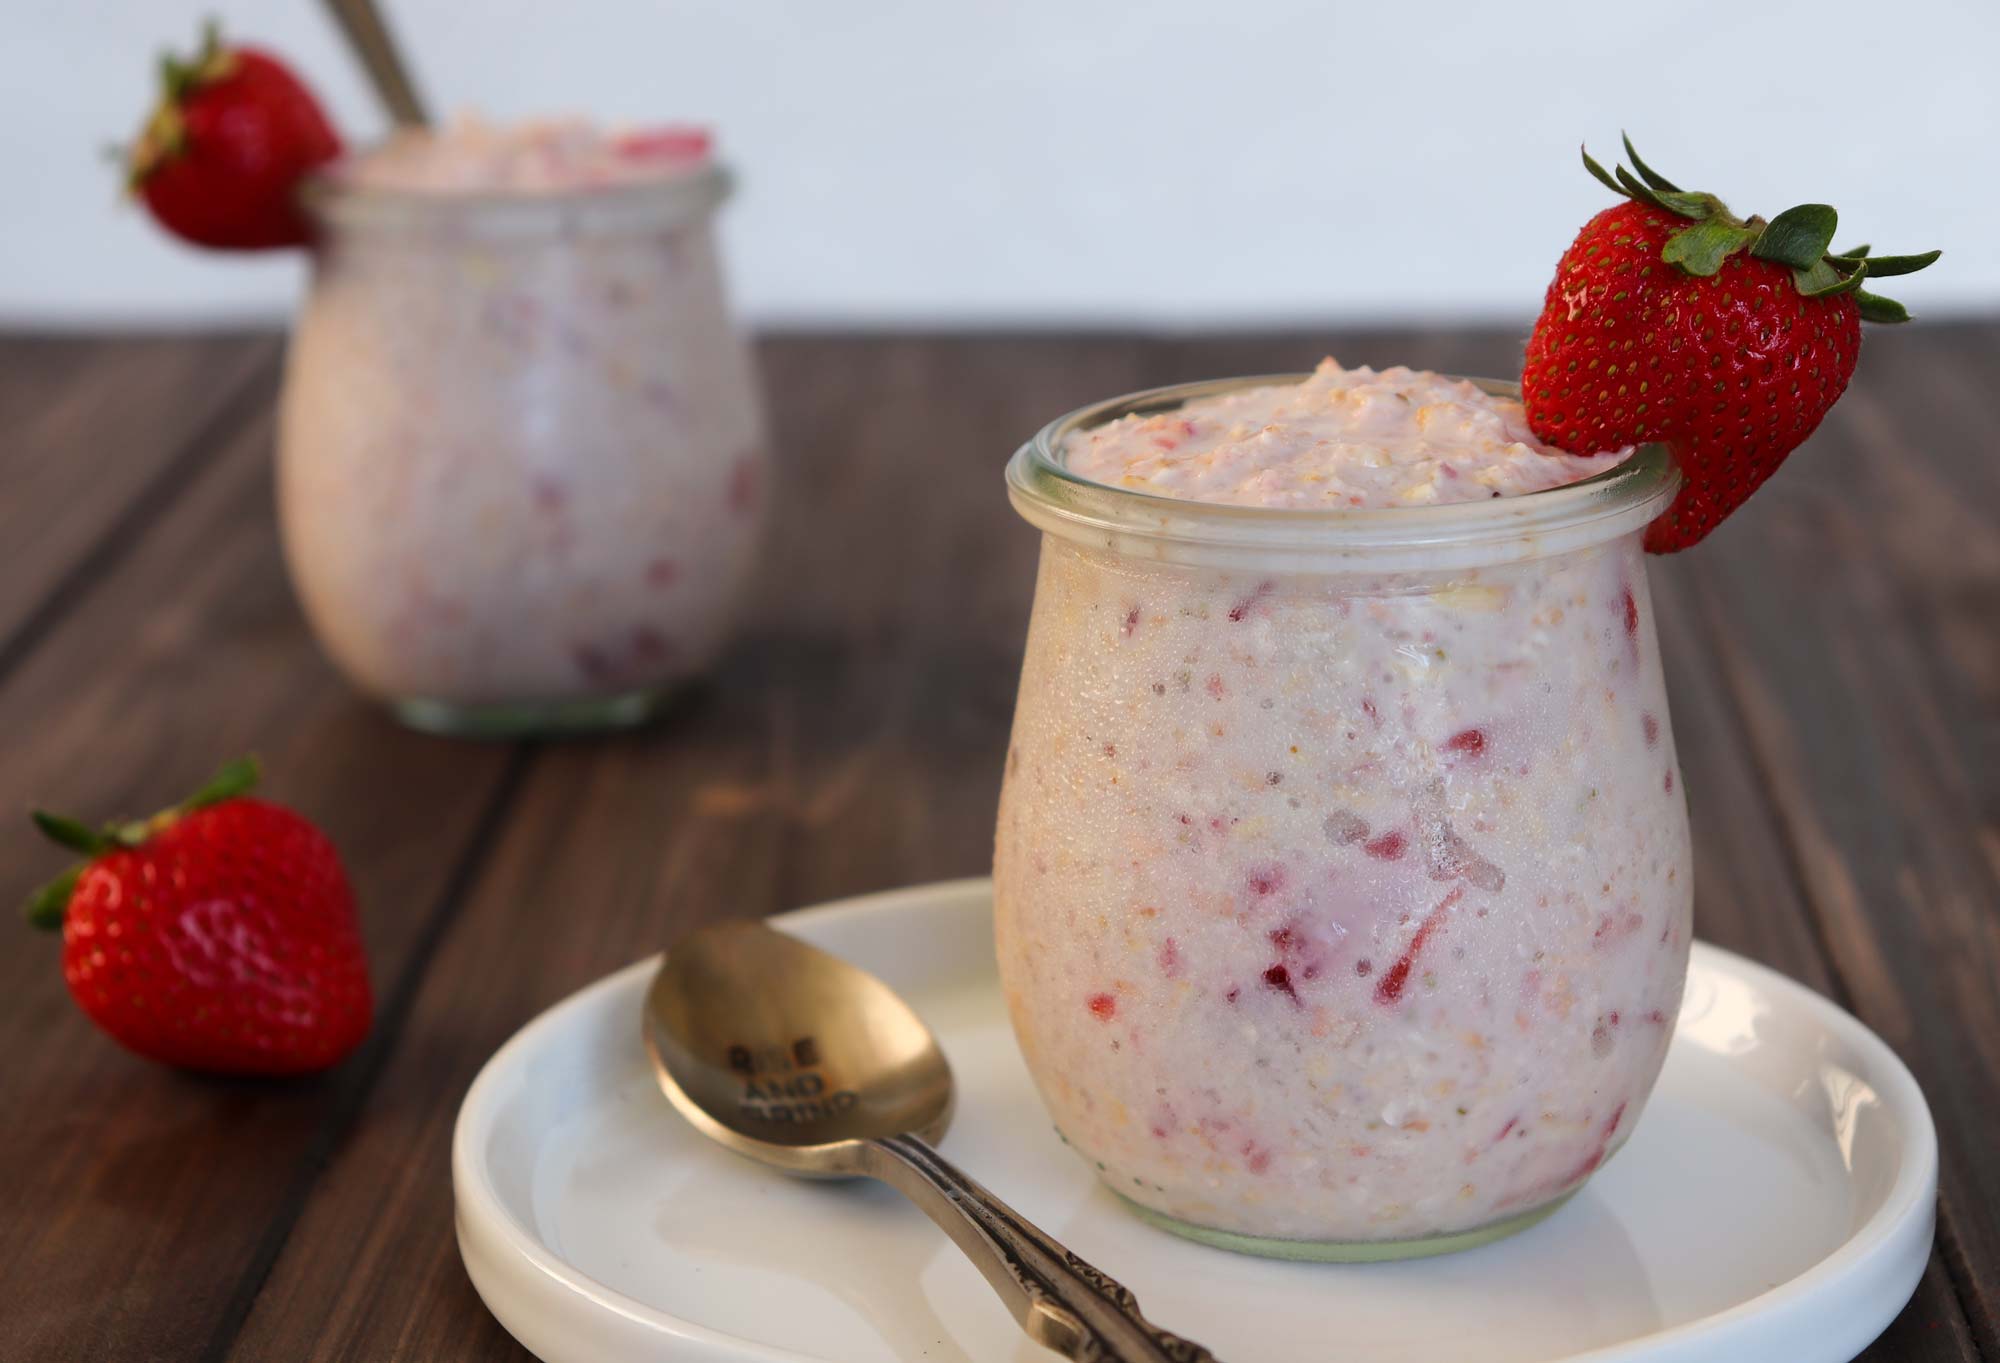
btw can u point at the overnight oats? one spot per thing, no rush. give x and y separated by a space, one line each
522 470
1342 873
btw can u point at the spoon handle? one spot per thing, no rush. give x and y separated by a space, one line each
1060 1300
361 22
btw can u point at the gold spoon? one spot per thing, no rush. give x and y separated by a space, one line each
799 1060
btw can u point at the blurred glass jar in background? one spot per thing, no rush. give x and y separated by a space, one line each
522 472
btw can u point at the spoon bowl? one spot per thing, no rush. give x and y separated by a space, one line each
791 1056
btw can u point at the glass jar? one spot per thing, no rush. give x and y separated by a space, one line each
1342 882
521 472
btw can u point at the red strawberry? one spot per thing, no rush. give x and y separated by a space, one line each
1671 319
218 935
220 160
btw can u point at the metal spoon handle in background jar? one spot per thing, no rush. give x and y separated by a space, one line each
361 23
1060 1301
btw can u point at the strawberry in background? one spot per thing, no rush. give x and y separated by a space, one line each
220 159
1671 319
218 935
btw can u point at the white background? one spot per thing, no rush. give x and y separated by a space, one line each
1173 163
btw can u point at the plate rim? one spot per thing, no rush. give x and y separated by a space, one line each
1907 1213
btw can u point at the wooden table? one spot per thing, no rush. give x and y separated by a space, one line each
1834 661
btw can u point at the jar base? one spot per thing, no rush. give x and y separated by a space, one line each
528 719
1350 1251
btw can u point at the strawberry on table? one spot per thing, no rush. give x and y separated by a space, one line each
1671 319
218 935
220 159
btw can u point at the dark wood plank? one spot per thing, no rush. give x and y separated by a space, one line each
101 434
869 675
1848 617
145 1206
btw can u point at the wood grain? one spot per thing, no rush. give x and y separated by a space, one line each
1832 660
144 1205
101 435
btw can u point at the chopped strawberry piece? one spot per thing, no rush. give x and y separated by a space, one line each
1389 847
670 144
1390 987
1280 979
1470 742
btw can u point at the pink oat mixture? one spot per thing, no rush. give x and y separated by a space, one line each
1341 906
521 463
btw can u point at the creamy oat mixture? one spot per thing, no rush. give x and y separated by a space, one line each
519 463
550 156
1335 905
1342 438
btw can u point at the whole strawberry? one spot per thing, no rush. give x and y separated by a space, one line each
220 160
1670 319
218 935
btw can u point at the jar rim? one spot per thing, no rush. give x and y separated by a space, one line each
329 200
1617 501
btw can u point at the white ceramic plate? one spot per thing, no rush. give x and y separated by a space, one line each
1776 1201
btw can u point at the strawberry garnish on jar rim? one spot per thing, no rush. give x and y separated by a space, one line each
221 157
1672 319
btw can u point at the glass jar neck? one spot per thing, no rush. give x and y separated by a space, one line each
641 206
1560 520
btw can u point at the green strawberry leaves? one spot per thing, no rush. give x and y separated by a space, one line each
1821 280
45 906
1657 191
1881 266
74 834
1875 308
1646 172
1800 237
236 778
1701 249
